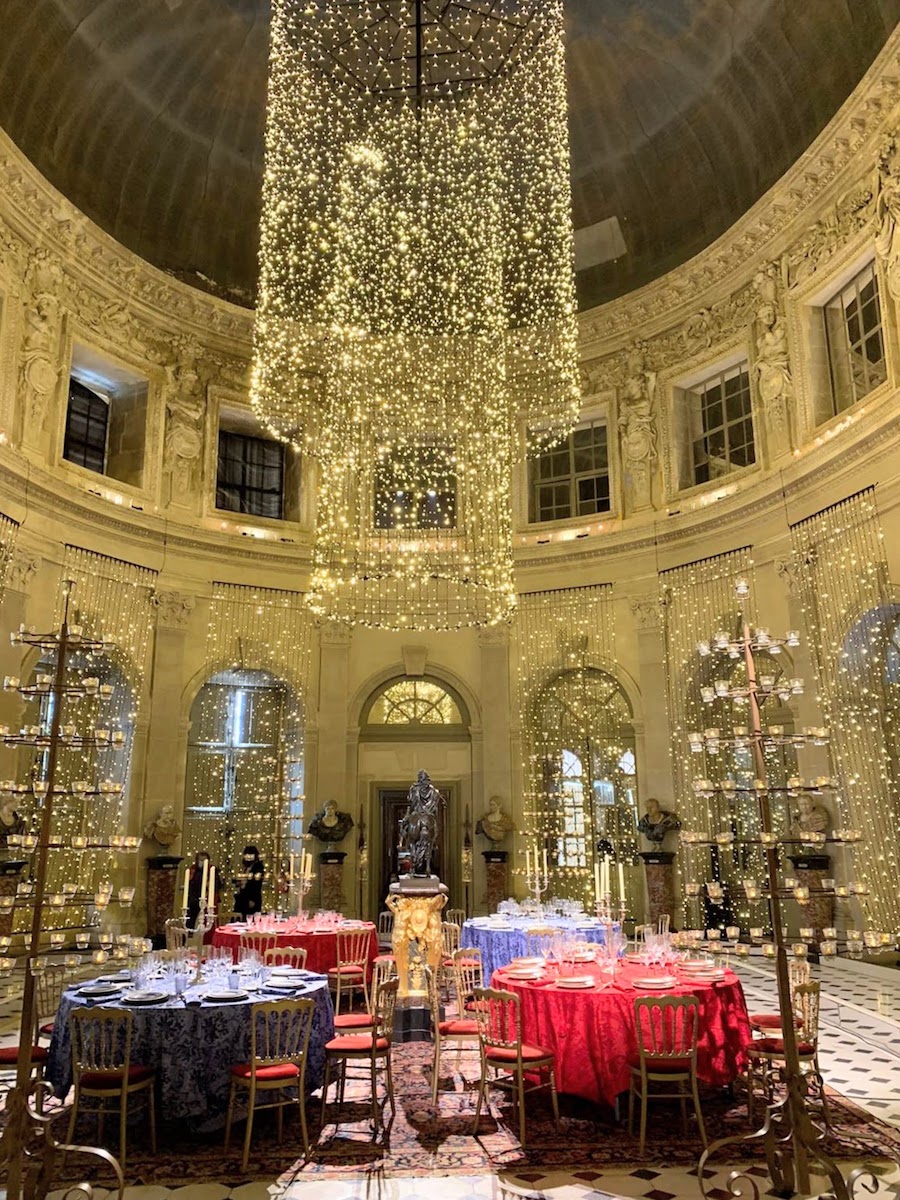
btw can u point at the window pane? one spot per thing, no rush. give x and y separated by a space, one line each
573 479
86 424
250 475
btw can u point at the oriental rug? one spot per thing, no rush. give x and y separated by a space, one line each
423 1138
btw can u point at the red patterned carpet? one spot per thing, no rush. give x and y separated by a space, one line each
422 1139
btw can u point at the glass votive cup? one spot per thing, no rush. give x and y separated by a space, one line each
733 932
29 841
799 949
126 895
830 933
860 888
105 939
122 939
69 889
807 933
692 889
872 938
742 950
828 884
768 839
39 964
56 900
757 933
82 940
753 893
120 953
5 943
79 842
769 949
132 843
790 882
854 946
101 899
7 903
72 961
828 947
841 891
57 938
6 965
713 935
99 957
724 839
801 894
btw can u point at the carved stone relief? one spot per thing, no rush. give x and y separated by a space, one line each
772 361
637 425
173 609
39 371
20 570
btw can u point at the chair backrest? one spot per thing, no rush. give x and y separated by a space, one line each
257 943
499 1018
279 1032
468 973
385 1003
101 1040
384 968
49 987
805 999
179 937
798 972
662 926
450 938
385 924
285 956
456 916
353 947
667 1026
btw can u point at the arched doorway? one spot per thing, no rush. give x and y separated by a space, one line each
406 725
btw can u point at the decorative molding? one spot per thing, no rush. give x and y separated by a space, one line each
646 610
493 635
20 570
786 570
173 609
415 659
333 633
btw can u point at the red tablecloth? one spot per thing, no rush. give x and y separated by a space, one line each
321 948
593 1033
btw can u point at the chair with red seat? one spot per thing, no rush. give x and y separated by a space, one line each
371 1046
667 1030
279 1041
102 1069
503 1052
468 974
766 1054
384 967
461 1030
349 974
768 1023
49 984
285 956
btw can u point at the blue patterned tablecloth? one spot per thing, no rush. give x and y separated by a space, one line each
499 946
193 1049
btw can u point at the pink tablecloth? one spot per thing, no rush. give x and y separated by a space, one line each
321 948
593 1032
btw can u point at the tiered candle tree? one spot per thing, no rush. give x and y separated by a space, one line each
790 1135
26 1144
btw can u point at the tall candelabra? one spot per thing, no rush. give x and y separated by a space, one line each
537 874
790 1134
28 1149
302 880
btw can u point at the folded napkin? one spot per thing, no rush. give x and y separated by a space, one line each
539 982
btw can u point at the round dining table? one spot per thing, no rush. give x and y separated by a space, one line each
593 1032
320 944
500 940
192 1044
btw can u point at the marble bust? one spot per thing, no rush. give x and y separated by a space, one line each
657 822
330 825
163 829
495 824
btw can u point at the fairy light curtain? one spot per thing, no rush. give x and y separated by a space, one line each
845 592
416 297
580 774
110 599
245 754
9 531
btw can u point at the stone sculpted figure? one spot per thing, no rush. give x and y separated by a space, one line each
776 385
163 829
638 424
657 822
887 211
810 817
329 825
495 824
419 825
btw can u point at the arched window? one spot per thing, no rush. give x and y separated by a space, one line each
244 769
415 702
584 725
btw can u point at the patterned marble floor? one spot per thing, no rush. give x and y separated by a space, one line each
860 1056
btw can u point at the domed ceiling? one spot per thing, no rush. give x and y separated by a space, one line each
149 115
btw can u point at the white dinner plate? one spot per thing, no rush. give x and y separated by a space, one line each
660 981
96 990
283 985
222 996
703 976
144 997
524 973
287 970
528 962
119 977
580 956
576 981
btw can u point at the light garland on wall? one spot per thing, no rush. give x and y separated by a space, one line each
568 701
251 630
9 532
416 289
845 592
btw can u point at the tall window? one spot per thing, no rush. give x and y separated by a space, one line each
414 702
721 424
417 491
853 331
250 475
572 479
87 420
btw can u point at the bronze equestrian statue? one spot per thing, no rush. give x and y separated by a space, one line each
419 825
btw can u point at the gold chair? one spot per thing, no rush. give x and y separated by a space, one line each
385 930
372 1046
468 974
256 943
667 1029
764 1054
179 937
279 1041
765 1023
449 945
456 916
285 956
352 964
102 1068
499 1019
50 984
461 1031
383 968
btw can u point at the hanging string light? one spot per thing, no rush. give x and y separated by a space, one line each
845 592
416 295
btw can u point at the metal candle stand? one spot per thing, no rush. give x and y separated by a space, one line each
789 1135
28 1150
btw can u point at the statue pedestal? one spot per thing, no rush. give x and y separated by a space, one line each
417 903
811 869
162 871
10 873
660 871
331 880
496 872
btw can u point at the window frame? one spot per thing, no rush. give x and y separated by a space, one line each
698 430
245 489
572 478
835 304
96 402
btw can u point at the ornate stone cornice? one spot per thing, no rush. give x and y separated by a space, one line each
646 610
173 609
21 569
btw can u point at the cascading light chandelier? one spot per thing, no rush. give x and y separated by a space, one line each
416 317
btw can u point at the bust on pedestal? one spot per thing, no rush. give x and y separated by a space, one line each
494 825
658 827
331 826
